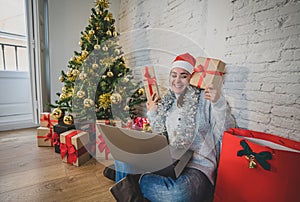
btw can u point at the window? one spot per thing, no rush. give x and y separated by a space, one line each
13 40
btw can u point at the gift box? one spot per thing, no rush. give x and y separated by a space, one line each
73 147
44 137
58 129
207 71
256 166
149 81
47 120
102 151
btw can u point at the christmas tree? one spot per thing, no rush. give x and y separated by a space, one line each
98 84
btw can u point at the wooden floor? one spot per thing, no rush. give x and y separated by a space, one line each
31 173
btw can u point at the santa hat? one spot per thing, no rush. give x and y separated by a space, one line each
185 61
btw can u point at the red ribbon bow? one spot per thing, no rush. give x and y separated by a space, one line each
102 146
204 71
47 137
55 138
46 117
151 80
69 149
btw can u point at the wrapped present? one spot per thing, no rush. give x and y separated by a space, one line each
141 123
58 129
256 166
73 147
149 80
207 71
47 120
90 128
102 151
44 137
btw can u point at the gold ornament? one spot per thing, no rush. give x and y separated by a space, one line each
69 73
104 76
61 78
80 43
63 96
107 19
115 34
73 58
117 51
75 72
72 78
105 48
123 58
110 74
57 113
104 100
125 79
68 120
126 108
88 102
97 47
122 65
95 66
91 32
64 89
141 91
84 53
115 98
80 94
120 74
108 33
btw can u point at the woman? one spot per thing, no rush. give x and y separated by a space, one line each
193 119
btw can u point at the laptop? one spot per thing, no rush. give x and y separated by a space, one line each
144 151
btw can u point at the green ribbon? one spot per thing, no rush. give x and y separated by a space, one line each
260 157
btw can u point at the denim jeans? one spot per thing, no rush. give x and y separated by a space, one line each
191 186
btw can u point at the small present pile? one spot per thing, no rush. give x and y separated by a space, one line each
45 133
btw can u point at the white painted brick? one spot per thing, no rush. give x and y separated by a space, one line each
278 131
297 55
292 42
292 111
288 89
294 135
287 123
268 87
292 7
287 55
255 116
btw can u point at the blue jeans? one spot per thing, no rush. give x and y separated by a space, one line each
191 186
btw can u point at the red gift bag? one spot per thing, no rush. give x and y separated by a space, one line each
256 166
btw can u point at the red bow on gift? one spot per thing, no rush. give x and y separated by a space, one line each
46 117
55 138
70 151
102 146
151 80
204 71
49 137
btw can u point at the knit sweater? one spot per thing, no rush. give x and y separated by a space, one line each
207 120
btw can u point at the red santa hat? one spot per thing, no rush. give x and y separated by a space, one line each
185 61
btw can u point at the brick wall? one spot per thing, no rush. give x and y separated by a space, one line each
259 41
263 72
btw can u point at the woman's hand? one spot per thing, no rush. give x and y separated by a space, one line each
152 104
212 93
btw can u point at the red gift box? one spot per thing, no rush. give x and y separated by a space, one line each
73 145
46 120
256 166
45 137
150 83
102 151
207 71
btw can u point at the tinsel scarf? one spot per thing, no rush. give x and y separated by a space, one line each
185 132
